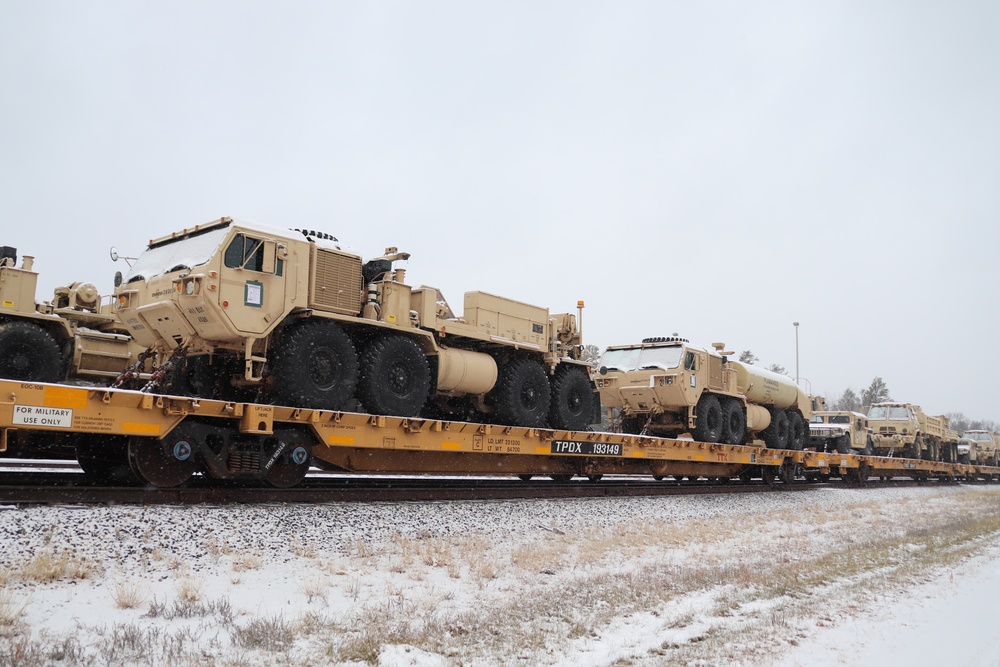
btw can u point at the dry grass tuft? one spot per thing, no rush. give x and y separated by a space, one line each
49 566
128 594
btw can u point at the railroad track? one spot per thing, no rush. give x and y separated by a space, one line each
57 485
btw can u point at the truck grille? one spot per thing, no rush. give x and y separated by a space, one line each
335 282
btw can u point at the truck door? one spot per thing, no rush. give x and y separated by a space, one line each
252 291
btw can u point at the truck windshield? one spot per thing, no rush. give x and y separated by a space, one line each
186 252
889 413
980 436
634 358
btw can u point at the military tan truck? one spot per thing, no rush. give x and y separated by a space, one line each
70 338
300 320
979 447
840 431
903 429
666 386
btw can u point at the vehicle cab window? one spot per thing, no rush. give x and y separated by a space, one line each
245 252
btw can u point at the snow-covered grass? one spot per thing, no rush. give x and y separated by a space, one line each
705 580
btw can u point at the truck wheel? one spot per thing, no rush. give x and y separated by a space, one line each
708 426
796 431
776 434
572 401
844 444
869 449
395 378
314 366
734 422
29 353
521 396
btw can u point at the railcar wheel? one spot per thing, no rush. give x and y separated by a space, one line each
796 431
788 472
734 422
314 365
525 477
572 401
767 475
561 477
164 463
104 459
595 478
29 353
776 434
521 396
395 378
293 460
708 426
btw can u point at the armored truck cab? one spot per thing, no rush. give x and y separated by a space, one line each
301 320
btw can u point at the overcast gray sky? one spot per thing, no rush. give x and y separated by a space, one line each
715 169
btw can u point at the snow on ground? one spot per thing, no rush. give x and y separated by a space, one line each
951 620
824 577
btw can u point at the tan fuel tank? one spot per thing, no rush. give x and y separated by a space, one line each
465 372
764 387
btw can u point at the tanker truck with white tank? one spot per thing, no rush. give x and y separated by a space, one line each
73 337
292 317
666 386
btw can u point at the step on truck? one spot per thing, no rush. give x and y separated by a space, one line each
236 310
666 386
73 337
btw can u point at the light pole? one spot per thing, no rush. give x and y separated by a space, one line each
796 325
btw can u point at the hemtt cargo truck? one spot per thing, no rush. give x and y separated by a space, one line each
295 318
902 429
666 386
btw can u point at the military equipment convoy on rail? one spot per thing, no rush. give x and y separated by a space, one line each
244 318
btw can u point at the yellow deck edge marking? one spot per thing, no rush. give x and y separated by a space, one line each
340 440
454 446
542 450
64 397
638 455
140 428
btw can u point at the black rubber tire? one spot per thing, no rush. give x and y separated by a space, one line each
395 378
797 431
314 365
869 449
844 444
776 434
522 394
571 406
30 354
734 422
708 423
